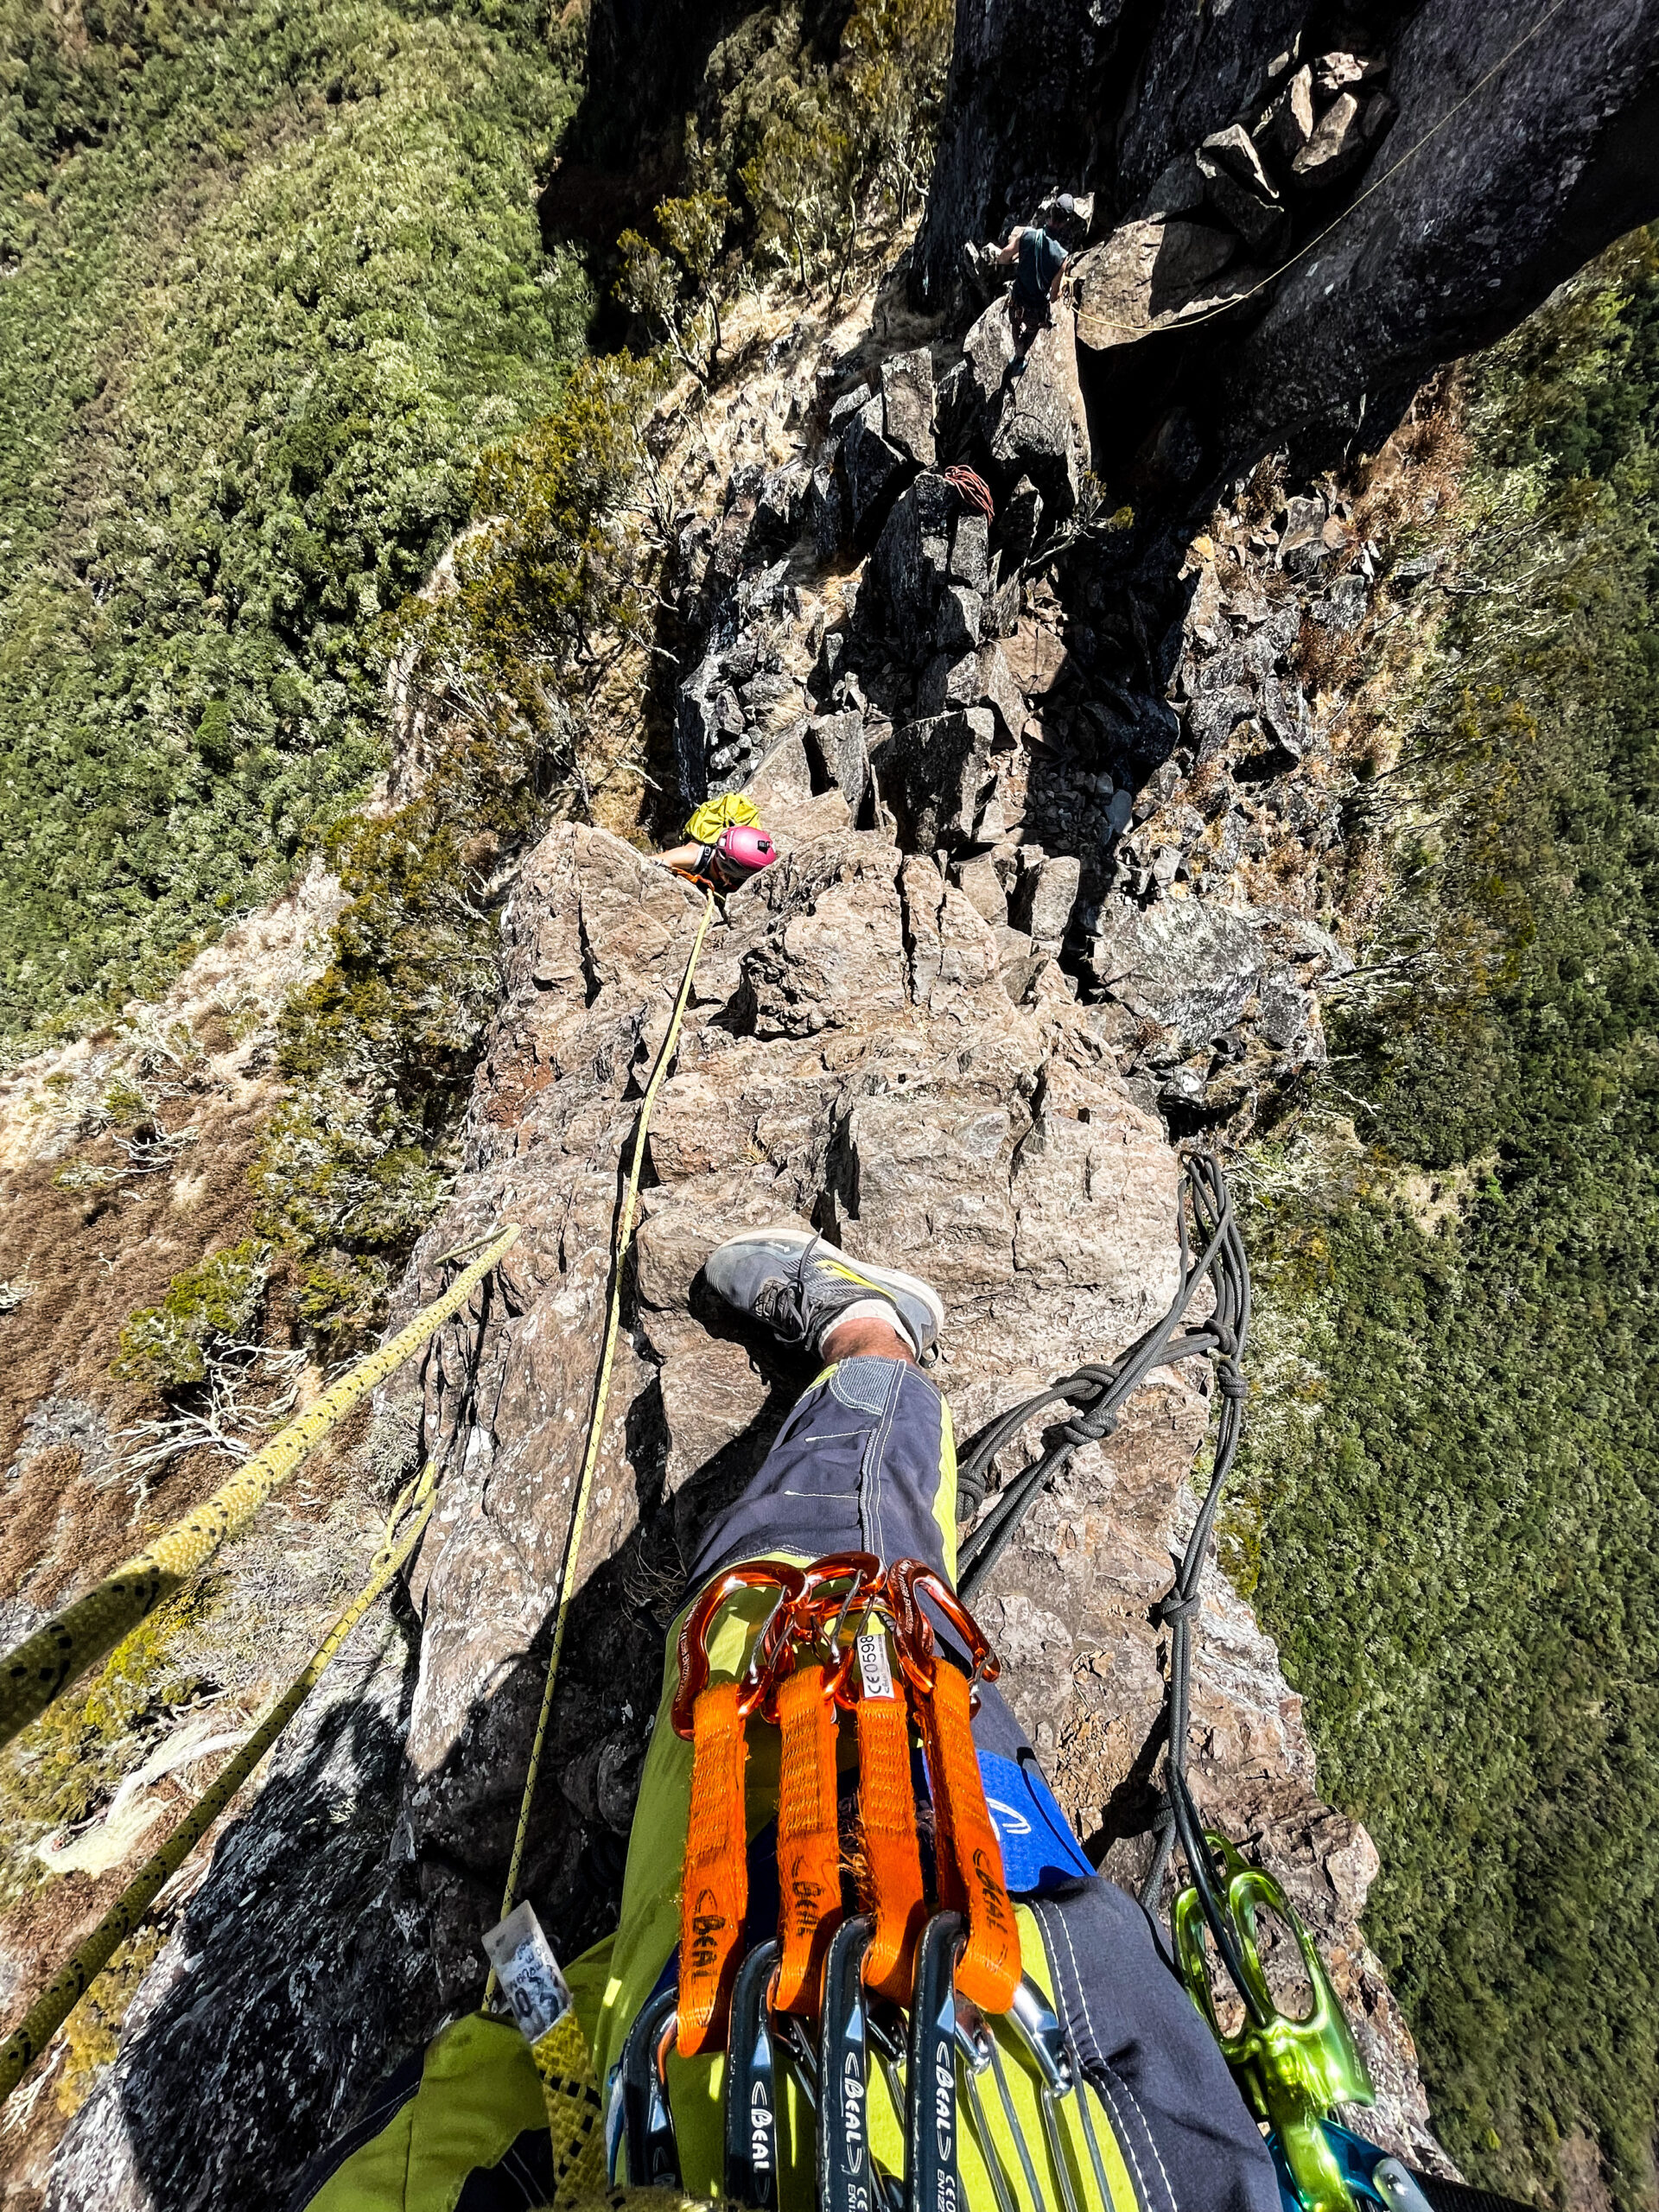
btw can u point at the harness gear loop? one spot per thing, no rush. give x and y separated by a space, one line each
714 1890
596 1420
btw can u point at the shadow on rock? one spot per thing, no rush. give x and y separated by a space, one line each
295 1977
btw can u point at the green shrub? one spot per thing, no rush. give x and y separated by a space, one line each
213 1305
672 292
379 1052
277 281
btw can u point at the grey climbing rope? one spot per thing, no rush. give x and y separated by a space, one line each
1095 1393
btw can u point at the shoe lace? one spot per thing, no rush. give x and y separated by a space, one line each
781 1300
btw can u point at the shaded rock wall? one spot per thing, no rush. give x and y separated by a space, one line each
1546 163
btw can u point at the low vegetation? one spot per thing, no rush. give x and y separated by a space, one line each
273 279
550 592
1448 1520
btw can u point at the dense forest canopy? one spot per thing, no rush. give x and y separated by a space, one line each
272 275
1455 1474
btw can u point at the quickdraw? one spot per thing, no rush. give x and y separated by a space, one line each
826 1647
1293 2073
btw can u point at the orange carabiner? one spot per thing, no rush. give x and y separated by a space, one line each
913 1631
753 1574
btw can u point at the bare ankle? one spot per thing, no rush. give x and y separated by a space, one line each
864 1339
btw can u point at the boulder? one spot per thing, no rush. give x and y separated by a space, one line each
1288 123
1343 72
1194 968
1178 189
1283 714
1239 189
827 511
911 564
995 687
842 410
907 404
1020 521
956 626
780 509
1047 892
981 883
1337 145
1031 413
1345 605
707 720
940 777
1151 275
838 755
1213 716
871 469
971 554
946 683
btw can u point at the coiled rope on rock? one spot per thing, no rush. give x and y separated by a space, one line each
44 1664
70 1984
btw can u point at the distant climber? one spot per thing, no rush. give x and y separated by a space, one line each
749 1966
1041 265
724 844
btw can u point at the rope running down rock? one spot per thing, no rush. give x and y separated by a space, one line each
619 1242
1096 1392
44 1664
61 1994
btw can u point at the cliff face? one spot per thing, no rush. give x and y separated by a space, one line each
854 1058
1509 146
1043 897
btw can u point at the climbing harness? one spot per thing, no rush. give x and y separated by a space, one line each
58 2000
44 1664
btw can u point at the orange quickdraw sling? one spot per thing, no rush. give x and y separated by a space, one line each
799 1675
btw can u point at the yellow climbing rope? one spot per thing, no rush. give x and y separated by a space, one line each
596 1419
58 2000
46 1663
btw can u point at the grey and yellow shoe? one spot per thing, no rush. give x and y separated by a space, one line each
801 1288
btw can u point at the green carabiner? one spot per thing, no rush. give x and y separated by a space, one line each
1293 2072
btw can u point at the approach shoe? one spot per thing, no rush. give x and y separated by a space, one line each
801 1287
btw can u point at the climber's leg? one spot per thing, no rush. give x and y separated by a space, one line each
867 1460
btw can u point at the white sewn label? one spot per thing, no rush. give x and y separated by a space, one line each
528 1973
874 1667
